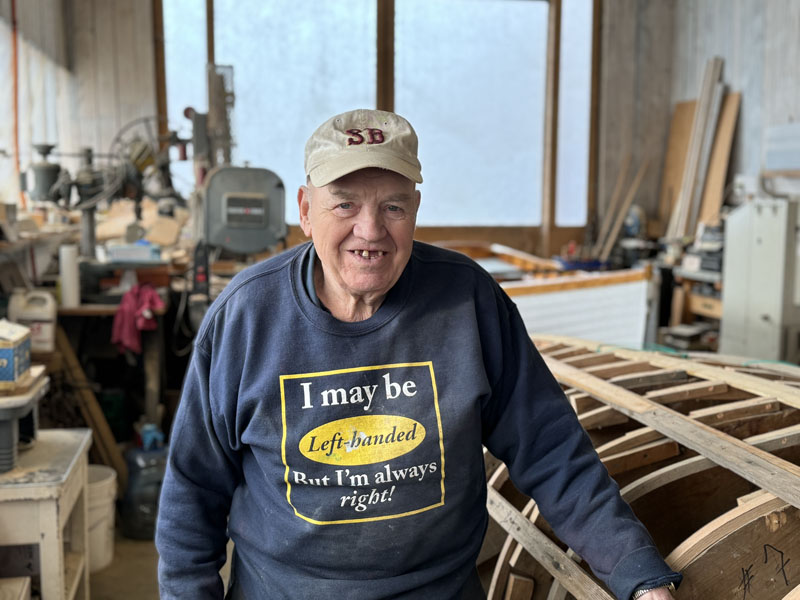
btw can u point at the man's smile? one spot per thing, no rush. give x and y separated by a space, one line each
367 254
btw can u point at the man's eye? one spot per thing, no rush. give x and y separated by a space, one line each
345 205
393 208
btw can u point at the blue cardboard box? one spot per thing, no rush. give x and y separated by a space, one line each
15 353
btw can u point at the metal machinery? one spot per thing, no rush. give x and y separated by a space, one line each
761 275
135 162
244 213
237 209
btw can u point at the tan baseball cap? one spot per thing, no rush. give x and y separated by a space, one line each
360 139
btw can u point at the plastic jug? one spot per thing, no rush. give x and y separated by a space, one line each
36 309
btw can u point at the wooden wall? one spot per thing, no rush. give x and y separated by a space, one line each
760 43
634 103
86 68
114 65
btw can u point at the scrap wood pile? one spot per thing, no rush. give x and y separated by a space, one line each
705 450
694 169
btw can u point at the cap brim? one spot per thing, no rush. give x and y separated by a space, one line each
343 165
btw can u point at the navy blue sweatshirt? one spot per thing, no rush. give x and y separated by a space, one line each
345 460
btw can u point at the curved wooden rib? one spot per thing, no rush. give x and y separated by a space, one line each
676 500
743 553
793 595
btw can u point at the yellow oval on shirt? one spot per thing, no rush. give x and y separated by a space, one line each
362 440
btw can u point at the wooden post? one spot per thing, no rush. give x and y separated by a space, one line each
385 59
210 59
160 72
550 127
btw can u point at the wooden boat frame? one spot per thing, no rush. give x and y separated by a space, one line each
704 416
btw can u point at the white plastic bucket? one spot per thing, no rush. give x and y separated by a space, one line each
102 492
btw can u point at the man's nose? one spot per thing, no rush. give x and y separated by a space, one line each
369 225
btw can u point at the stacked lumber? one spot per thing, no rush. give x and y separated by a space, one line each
696 161
706 451
617 210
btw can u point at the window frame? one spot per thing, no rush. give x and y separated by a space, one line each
545 239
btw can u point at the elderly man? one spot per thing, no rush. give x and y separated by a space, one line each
338 397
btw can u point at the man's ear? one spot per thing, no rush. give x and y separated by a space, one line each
304 204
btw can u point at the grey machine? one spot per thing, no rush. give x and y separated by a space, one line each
761 275
243 210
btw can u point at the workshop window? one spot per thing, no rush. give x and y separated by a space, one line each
295 63
184 47
472 81
574 110
469 74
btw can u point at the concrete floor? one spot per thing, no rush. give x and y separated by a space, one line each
132 574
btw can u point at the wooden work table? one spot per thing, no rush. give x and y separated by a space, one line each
44 502
152 350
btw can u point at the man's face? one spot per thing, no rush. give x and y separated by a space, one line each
363 228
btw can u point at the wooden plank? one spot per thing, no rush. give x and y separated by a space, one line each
385 56
519 588
566 353
763 373
628 441
751 545
705 306
705 156
793 595
91 411
751 497
502 568
713 415
678 308
622 367
605 416
545 551
584 402
718 164
649 379
553 60
732 411
748 383
680 215
557 591
769 442
687 391
588 360
649 454
675 159
623 211
574 282
613 206
160 70
773 474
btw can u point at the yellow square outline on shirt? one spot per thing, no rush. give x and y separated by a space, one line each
283 378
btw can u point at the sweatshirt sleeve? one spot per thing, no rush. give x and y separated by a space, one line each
202 473
530 425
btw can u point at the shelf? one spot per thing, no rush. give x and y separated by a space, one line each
705 306
74 564
705 276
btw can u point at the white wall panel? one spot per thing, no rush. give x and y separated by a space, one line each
612 314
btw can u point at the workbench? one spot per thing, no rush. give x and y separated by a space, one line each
152 350
44 502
